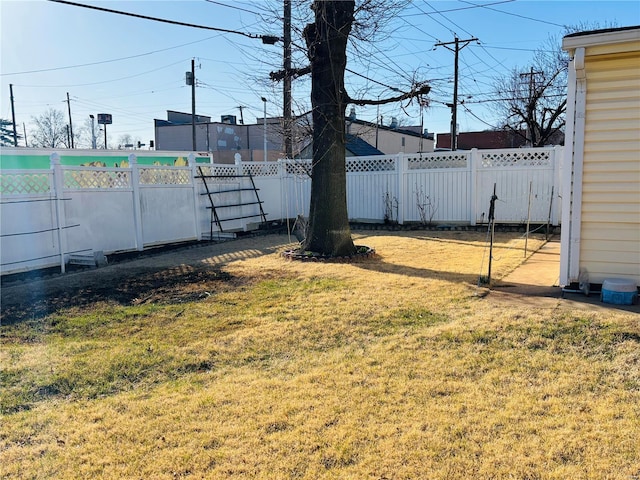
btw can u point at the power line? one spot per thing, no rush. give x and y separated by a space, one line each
437 21
480 119
519 49
105 81
233 7
522 99
109 61
265 38
451 21
515 14
458 9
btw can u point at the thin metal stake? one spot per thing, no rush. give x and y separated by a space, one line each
549 217
526 240
492 208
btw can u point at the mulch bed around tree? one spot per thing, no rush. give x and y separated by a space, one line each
362 252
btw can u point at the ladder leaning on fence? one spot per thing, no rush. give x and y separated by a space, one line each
218 206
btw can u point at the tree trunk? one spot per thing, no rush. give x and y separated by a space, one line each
329 232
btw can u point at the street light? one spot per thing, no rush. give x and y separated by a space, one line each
264 101
93 132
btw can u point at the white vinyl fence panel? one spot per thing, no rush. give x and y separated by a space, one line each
372 188
523 179
47 215
437 188
28 220
167 205
295 189
99 202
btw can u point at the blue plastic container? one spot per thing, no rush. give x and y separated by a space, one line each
619 291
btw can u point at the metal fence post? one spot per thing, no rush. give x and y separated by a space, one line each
400 169
473 160
284 196
558 152
137 209
196 195
58 191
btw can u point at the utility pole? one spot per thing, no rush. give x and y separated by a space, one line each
193 103
24 129
288 143
454 107
240 107
530 104
70 124
264 101
13 117
93 132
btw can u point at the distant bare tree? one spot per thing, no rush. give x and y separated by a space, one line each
533 98
50 130
83 139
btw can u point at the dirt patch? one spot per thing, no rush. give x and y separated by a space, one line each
175 276
176 285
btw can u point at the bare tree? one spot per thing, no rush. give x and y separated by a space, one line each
534 98
50 130
83 138
127 141
326 39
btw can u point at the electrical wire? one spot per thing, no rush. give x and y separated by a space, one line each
109 61
233 7
515 14
156 19
106 81
461 8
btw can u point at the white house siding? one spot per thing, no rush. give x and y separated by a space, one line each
391 142
610 211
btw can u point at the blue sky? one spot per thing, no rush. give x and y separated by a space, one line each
135 68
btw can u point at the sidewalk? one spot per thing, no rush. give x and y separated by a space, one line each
539 274
536 283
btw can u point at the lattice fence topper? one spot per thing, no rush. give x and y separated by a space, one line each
218 171
524 158
364 164
300 168
75 179
25 183
261 169
449 160
165 176
224 170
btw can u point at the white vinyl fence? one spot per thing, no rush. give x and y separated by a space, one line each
49 216
443 187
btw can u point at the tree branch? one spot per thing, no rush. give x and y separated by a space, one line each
280 75
421 89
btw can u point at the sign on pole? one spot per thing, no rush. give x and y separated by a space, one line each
104 119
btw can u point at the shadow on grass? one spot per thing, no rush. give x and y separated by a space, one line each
378 264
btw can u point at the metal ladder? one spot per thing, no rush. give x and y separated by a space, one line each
217 207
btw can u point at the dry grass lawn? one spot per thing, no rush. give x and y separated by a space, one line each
387 368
